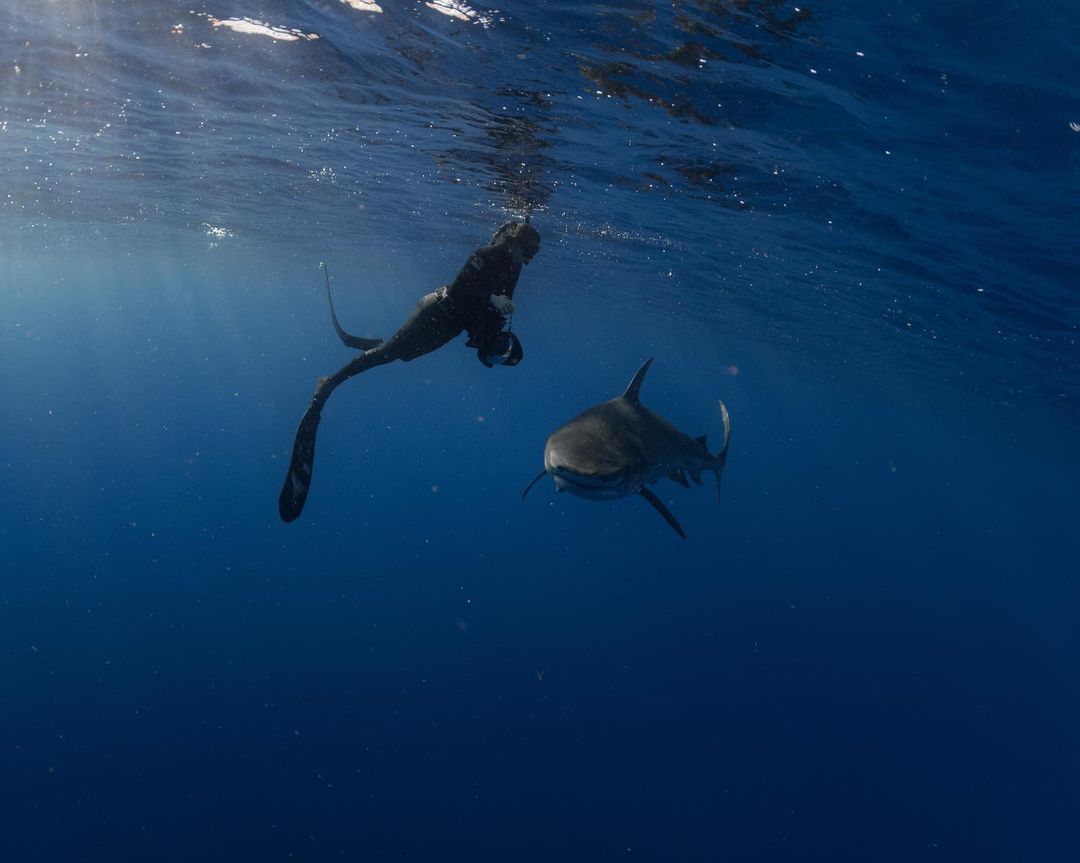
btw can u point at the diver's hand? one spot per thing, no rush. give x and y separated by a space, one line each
503 305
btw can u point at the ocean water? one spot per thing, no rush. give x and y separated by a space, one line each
855 223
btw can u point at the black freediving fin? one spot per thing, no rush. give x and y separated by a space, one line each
349 339
298 480
535 480
663 510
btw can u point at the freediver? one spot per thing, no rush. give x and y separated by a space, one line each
479 301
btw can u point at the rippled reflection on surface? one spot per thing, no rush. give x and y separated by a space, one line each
363 5
459 10
251 27
819 151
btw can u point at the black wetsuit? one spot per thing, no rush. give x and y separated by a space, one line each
464 304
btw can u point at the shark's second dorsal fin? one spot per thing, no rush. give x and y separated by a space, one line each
633 392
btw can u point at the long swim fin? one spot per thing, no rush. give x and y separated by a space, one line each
349 339
298 480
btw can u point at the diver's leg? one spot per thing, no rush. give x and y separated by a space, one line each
430 326
298 480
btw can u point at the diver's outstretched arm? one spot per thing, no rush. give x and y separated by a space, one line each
350 340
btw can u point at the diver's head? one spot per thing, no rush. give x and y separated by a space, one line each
520 236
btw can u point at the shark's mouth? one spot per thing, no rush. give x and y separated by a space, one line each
593 487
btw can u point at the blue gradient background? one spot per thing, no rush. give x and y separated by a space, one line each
867 652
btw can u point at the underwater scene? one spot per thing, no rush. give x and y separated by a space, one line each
539 431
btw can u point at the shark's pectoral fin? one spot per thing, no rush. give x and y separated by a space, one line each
535 480
679 477
663 510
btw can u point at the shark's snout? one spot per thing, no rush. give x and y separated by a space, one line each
585 470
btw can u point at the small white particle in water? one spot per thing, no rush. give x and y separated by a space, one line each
1075 127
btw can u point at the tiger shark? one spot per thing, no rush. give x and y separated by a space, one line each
616 448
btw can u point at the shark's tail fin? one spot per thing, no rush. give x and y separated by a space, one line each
720 459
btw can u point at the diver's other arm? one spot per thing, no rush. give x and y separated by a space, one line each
502 304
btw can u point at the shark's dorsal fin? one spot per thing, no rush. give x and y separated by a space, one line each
633 392
663 510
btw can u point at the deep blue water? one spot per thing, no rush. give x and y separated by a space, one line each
856 223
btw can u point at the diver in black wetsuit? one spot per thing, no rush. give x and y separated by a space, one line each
478 301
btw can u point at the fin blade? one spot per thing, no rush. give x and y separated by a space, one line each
535 480
633 392
350 340
297 484
658 505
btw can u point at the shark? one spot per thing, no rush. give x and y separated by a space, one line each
616 448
